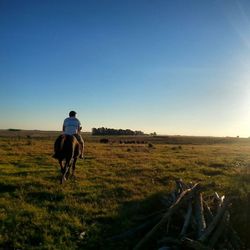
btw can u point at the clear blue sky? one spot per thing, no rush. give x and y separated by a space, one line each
173 67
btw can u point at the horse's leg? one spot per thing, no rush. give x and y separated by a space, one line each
74 166
61 165
66 169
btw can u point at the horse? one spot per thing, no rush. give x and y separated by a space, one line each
67 150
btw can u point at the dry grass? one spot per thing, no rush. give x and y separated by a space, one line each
114 185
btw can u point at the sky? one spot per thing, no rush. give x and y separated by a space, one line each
174 67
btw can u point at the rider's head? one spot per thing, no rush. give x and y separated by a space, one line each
72 114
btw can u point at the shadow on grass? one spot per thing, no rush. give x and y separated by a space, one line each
212 172
218 165
40 197
19 164
7 188
28 173
130 215
240 215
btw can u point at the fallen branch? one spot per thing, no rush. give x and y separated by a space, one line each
219 230
215 221
187 220
199 214
186 242
170 240
181 199
234 238
208 213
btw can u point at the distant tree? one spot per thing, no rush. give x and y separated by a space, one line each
111 131
94 131
153 134
14 129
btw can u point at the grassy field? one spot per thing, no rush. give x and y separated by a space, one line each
114 185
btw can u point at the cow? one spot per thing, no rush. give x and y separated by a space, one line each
66 151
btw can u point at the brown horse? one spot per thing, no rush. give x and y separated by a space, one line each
66 149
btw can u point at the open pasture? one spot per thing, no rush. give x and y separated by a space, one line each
115 185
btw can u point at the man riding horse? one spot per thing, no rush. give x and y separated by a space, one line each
72 126
69 146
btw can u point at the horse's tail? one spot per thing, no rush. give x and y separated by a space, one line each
58 147
68 147
64 147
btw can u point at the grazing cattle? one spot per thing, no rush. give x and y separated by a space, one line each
66 149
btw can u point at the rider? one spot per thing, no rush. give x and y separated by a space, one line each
72 126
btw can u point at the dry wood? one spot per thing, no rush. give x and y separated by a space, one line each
168 200
194 244
218 200
164 248
187 220
168 224
199 214
217 197
182 185
179 189
181 199
215 221
208 213
222 198
179 186
230 246
194 227
170 240
186 186
234 238
219 230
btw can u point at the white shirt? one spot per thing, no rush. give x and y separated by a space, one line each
71 126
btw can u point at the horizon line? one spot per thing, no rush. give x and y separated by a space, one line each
149 134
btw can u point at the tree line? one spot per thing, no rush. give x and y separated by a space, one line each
112 131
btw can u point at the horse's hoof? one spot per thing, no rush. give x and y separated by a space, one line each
63 180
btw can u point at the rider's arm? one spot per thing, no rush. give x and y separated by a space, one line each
79 129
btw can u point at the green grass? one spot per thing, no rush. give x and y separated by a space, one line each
114 185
